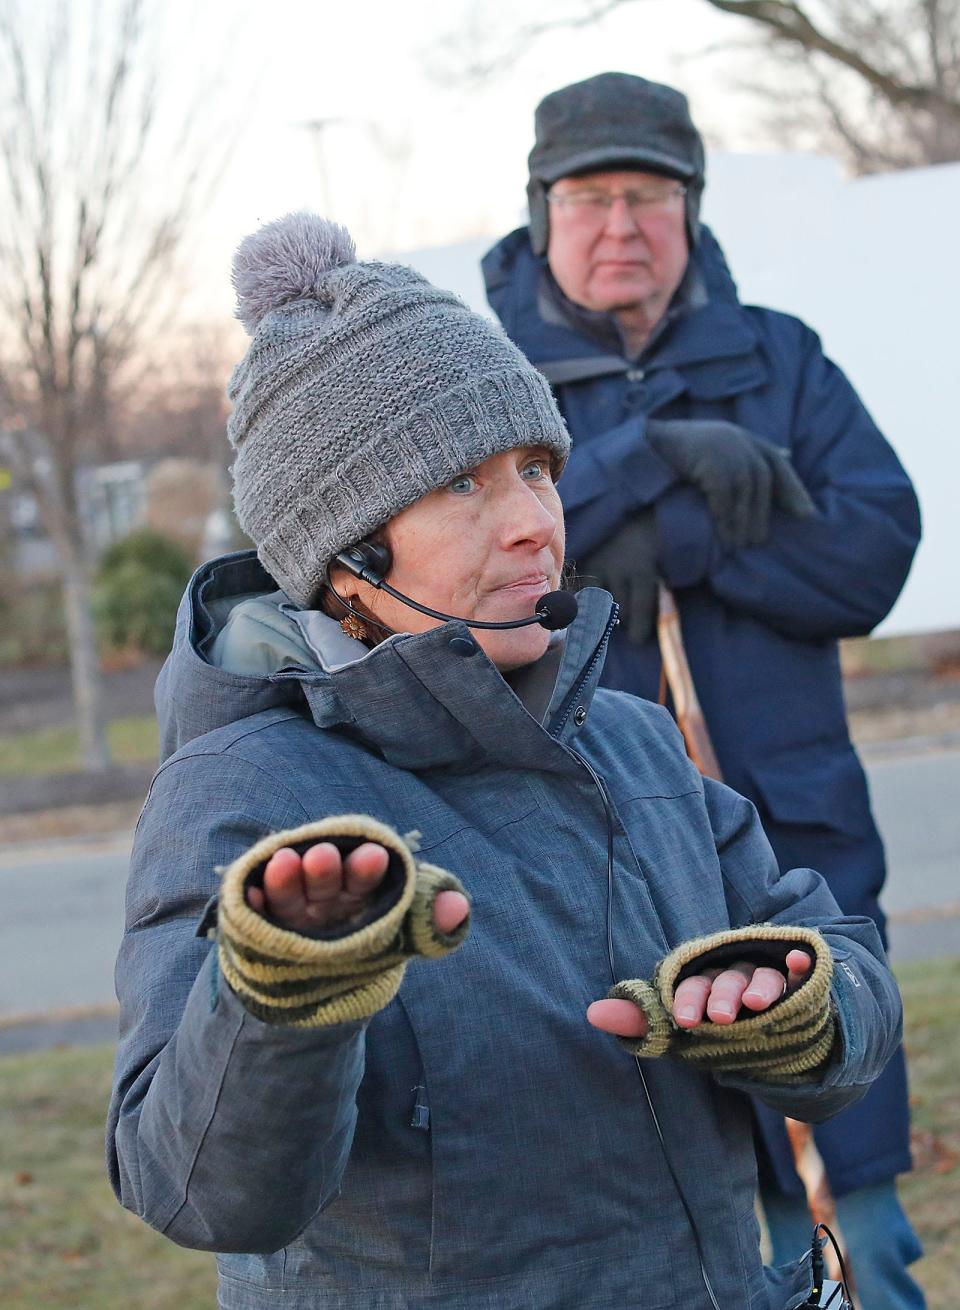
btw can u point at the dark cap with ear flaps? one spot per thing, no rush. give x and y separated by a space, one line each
613 121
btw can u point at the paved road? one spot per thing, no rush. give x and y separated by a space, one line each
63 906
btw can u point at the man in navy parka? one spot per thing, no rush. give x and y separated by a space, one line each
718 449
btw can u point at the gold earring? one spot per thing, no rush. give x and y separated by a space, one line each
354 626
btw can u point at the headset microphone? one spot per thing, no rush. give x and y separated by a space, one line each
370 561
557 609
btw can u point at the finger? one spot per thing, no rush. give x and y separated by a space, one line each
790 494
450 909
799 965
723 1003
364 869
742 508
255 899
640 611
766 987
622 1018
322 875
720 505
763 494
690 1000
283 883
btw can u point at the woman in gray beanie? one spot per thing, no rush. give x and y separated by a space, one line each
350 783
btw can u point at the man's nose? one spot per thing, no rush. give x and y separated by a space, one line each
621 220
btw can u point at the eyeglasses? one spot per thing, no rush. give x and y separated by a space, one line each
596 205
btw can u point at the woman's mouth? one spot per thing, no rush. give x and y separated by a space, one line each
531 587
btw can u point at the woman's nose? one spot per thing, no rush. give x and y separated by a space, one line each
527 519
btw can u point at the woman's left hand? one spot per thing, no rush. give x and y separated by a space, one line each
717 995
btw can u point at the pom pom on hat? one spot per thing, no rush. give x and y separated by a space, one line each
286 261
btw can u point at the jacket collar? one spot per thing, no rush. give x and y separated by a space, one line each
415 699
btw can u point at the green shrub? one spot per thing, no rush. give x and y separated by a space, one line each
32 624
153 550
137 591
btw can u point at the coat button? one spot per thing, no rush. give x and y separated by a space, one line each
579 715
464 646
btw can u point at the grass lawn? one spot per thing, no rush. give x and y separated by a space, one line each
931 1194
64 1241
133 740
66 1244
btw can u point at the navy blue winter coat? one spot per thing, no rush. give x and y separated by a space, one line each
761 624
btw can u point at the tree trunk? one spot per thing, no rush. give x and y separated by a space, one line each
84 663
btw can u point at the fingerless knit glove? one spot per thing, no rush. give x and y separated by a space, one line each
349 970
780 1045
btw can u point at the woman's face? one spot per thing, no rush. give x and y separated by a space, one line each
487 546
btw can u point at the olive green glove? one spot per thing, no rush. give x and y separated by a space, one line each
779 1045
350 970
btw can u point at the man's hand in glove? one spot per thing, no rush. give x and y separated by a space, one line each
742 476
626 566
715 994
320 888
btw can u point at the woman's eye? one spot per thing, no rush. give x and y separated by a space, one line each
463 484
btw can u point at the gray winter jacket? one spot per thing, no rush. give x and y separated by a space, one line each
477 1144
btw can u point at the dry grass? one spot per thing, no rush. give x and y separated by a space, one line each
66 1244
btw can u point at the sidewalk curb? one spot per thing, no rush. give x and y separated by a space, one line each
15 852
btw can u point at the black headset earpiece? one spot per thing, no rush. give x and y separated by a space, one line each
369 560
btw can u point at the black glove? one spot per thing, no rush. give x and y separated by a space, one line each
741 475
626 566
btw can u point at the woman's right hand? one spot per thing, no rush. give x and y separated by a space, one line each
321 888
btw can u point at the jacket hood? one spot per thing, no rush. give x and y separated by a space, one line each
712 325
242 647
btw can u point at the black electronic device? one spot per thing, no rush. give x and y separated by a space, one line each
830 1294
370 561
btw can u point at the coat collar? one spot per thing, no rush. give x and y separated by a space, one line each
417 700
424 704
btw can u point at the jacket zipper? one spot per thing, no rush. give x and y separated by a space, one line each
594 661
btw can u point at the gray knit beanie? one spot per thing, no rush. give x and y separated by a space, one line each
611 121
363 389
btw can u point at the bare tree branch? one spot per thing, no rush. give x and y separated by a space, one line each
99 193
468 55
875 81
791 23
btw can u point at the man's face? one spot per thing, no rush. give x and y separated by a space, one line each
626 255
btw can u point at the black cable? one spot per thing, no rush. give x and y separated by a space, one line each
608 813
844 1276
